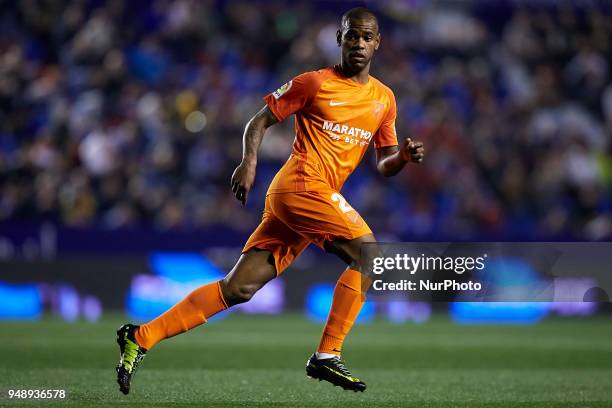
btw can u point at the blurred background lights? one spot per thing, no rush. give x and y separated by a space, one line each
195 121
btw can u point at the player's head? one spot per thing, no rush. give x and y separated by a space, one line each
358 37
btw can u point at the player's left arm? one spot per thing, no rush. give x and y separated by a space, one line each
391 159
392 156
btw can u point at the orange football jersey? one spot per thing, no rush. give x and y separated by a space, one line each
335 120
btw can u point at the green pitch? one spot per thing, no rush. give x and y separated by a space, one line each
259 362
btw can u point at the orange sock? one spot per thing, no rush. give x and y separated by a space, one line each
190 312
349 296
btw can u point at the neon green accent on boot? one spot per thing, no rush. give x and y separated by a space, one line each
131 355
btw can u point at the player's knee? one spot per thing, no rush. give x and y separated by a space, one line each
235 293
352 251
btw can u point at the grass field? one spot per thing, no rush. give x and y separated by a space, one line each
259 362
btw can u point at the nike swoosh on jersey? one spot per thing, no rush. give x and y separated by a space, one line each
335 103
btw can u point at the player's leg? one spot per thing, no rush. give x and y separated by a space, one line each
349 294
252 271
268 252
347 301
325 218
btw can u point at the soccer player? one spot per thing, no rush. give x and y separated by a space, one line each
338 111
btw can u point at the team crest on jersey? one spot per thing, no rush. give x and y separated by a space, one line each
282 90
377 107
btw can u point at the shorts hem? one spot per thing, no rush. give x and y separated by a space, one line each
338 236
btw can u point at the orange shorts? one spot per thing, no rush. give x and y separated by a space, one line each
291 221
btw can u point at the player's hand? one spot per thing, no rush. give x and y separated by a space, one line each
412 151
242 180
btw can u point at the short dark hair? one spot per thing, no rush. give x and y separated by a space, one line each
361 13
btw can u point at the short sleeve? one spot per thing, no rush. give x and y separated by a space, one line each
386 135
293 96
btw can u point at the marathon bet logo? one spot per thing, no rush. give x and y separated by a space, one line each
350 134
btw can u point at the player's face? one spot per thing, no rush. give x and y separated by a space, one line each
359 38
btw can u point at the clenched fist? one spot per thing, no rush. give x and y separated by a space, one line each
412 151
242 180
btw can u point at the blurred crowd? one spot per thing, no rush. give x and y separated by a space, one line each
119 114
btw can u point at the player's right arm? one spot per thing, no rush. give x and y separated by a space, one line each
244 175
293 96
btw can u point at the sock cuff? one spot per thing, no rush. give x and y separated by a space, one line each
221 295
352 279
